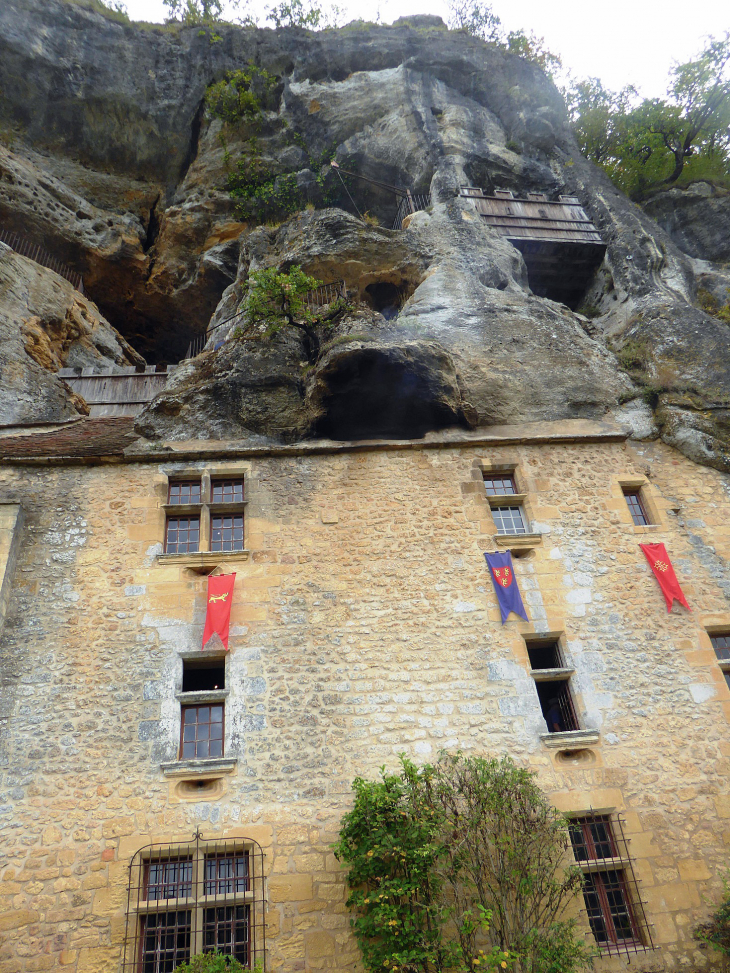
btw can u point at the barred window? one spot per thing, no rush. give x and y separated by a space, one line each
204 896
721 645
610 891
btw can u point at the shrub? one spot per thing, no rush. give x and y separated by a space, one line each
216 963
460 866
716 931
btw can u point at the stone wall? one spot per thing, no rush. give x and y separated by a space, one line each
364 624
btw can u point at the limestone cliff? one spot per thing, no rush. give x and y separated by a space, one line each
111 159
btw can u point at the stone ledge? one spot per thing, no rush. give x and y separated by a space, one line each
517 540
200 769
203 696
570 739
548 675
202 560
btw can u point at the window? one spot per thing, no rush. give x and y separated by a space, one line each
202 724
552 681
187 899
613 906
201 732
721 645
205 515
499 484
509 517
182 535
636 507
509 520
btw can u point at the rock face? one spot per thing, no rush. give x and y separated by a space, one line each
116 163
45 325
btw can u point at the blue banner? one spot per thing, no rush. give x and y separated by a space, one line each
505 584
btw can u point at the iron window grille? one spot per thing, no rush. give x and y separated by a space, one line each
553 688
202 511
636 507
610 888
195 897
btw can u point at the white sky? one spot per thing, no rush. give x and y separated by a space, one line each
621 42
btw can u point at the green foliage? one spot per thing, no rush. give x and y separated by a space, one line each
716 931
111 9
305 13
659 142
276 301
460 866
194 11
710 305
389 842
241 94
215 963
633 356
478 18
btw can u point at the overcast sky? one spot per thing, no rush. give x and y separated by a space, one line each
621 42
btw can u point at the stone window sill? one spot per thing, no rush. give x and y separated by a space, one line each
203 560
202 696
570 739
517 540
549 675
199 769
645 528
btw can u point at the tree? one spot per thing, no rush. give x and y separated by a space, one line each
195 11
659 141
305 13
276 301
478 18
506 853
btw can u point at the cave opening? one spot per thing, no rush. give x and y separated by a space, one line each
377 394
385 297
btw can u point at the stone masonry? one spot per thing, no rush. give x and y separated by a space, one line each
364 624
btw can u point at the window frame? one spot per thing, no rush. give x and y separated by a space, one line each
635 493
595 870
191 912
512 500
196 707
182 506
723 660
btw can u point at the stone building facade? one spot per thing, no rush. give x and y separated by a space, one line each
364 624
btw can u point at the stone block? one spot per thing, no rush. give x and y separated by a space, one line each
290 888
17 919
318 944
693 870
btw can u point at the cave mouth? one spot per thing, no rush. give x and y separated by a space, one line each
385 394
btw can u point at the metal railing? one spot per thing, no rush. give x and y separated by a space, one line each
410 203
319 297
33 251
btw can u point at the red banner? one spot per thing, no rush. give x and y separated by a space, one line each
656 555
218 613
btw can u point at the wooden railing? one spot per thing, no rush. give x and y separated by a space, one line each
26 248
